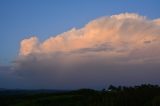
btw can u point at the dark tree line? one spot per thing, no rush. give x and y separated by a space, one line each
143 95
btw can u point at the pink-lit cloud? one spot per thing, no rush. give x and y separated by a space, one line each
108 46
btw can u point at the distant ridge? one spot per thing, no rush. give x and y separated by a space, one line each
4 91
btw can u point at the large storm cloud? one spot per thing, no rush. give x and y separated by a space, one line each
108 50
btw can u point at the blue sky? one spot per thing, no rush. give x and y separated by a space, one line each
20 19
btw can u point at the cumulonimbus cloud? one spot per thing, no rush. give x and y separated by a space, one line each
98 50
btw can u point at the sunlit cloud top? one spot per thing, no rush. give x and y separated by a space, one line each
122 34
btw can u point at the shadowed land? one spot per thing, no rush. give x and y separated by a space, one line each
143 95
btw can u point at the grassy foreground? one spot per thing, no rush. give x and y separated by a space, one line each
144 95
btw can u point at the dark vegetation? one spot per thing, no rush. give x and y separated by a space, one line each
143 95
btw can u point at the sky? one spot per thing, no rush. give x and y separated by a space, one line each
78 43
